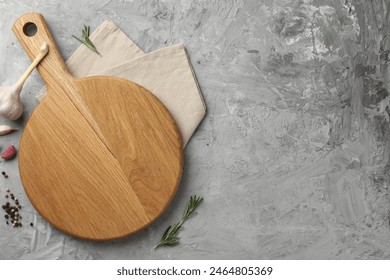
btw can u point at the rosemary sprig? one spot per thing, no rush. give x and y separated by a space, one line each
170 235
85 39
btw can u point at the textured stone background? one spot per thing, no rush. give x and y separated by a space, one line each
292 157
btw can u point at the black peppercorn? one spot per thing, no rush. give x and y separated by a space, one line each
31 224
3 172
6 216
20 206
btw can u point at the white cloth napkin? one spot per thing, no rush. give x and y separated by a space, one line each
166 72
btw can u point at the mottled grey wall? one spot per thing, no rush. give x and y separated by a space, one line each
292 157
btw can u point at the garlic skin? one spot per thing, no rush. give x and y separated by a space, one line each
10 106
9 153
6 129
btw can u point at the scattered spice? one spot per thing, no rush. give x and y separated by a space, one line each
31 224
12 211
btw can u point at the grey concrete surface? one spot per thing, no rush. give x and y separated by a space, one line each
293 156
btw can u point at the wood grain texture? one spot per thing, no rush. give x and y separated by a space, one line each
100 158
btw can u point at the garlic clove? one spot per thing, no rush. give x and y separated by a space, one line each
6 129
9 153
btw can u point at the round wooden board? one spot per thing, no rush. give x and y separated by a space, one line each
100 158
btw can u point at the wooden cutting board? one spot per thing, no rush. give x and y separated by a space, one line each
100 158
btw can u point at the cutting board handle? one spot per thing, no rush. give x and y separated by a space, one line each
32 32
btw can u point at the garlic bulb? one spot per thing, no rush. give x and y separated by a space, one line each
10 106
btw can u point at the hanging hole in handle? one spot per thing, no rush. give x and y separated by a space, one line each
30 29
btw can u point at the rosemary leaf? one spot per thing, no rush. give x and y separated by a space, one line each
166 232
169 236
192 205
85 39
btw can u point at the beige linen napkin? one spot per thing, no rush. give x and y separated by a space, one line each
166 72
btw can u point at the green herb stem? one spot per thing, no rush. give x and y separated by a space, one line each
170 234
85 39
